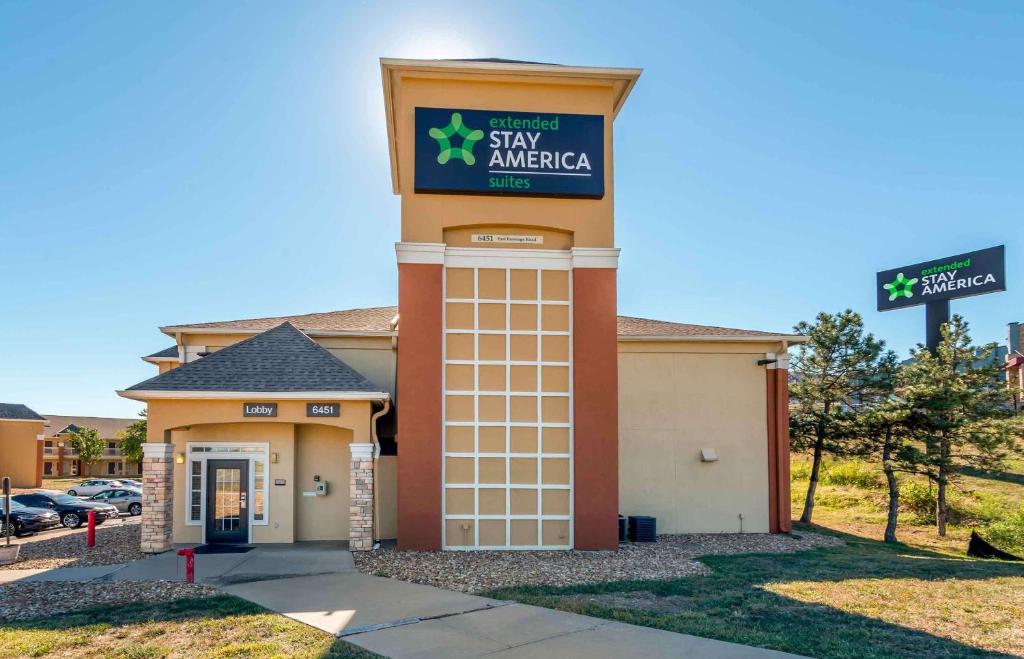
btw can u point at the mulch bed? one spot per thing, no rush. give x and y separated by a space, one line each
116 542
672 556
20 601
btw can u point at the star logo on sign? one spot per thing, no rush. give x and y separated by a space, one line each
900 287
444 141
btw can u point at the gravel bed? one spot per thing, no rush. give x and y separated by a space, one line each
19 601
116 542
672 556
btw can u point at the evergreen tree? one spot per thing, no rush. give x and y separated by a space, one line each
832 377
958 409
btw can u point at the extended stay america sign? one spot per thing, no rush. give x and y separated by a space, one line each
964 275
509 153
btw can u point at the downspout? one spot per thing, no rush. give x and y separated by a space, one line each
376 474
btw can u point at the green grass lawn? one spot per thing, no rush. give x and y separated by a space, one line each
920 598
221 626
865 599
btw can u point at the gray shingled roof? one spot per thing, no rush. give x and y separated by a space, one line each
18 412
278 360
166 352
378 319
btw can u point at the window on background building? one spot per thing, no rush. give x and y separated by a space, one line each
110 468
195 491
258 487
48 468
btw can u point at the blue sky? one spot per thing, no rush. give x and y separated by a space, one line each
165 163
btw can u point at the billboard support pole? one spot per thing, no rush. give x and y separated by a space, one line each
935 314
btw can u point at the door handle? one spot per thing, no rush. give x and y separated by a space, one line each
241 502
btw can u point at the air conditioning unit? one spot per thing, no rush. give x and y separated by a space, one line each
643 528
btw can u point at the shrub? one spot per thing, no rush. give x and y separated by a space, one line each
918 500
852 473
1008 534
800 471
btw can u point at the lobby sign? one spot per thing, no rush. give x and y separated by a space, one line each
259 409
964 275
493 152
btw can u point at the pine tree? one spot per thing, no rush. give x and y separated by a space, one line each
958 410
832 374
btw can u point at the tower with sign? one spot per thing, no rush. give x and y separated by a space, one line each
507 376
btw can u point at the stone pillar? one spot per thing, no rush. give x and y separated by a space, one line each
360 522
157 496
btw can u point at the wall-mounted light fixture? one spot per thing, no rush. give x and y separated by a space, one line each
180 458
273 458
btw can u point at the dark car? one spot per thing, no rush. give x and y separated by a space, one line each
26 520
73 511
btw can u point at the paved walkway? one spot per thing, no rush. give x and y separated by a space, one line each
317 584
405 620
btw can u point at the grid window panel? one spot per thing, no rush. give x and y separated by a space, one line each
508 424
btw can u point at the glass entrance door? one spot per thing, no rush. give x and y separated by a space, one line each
227 495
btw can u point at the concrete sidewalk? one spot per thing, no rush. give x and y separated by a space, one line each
399 619
269 561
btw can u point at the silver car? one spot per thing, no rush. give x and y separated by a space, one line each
125 500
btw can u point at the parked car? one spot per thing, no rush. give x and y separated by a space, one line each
26 520
128 500
131 483
73 511
94 486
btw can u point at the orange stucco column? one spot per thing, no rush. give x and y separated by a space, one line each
419 401
773 445
780 516
595 409
782 452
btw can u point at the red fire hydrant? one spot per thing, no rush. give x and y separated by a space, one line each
190 564
90 534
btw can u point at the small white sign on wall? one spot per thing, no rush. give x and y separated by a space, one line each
502 239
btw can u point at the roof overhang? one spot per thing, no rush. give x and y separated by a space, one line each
254 395
184 329
25 420
157 360
713 338
621 80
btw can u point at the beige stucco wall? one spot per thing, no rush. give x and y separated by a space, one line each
18 451
674 400
372 356
323 451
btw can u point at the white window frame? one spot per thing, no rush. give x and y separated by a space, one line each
202 452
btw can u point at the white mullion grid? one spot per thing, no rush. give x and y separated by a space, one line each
502 332
525 303
476 409
510 454
495 362
521 394
508 406
514 424
540 408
